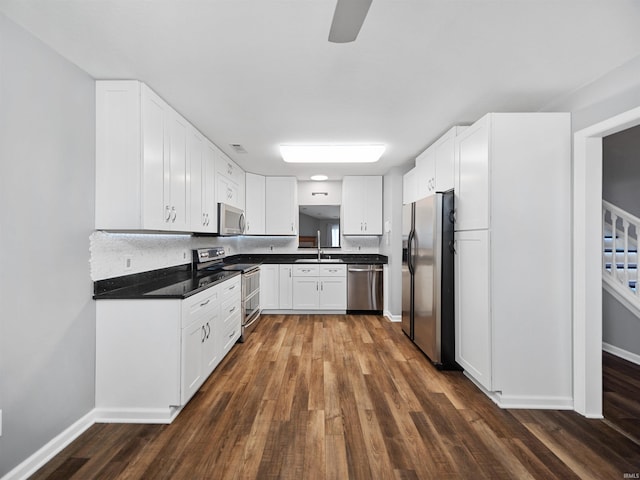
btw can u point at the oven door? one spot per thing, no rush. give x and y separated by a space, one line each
251 296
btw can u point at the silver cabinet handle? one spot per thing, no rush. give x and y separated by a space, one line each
232 287
174 214
232 310
365 226
208 330
232 334
167 213
289 273
203 337
322 286
204 303
317 286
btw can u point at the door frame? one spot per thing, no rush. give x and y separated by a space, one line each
587 260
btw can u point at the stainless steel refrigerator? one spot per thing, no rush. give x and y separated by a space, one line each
427 277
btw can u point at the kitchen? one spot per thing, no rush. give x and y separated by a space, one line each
48 352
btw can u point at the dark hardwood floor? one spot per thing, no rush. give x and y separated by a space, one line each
337 397
621 393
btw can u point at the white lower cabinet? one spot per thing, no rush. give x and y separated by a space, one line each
319 287
269 291
152 355
285 287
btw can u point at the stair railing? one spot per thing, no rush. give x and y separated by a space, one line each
620 232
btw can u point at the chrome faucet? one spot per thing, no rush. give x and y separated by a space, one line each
318 242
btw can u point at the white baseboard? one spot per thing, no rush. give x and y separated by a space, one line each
51 449
533 402
136 415
391 317
619 352
524 402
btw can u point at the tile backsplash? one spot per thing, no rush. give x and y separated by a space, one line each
117 254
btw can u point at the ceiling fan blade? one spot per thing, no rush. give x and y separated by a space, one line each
348 19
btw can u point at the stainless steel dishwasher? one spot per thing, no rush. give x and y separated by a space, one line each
364 288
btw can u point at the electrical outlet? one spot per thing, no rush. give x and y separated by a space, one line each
128 262
271 247
184 255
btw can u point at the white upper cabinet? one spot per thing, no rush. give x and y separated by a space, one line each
425 173
444 150
230 181
281 210
362 205
202 182
154 170
141 160
254 204
410 186
472 177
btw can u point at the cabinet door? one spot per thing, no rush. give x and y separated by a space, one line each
196 181
269 291
176 176
210 206
372 205
281 215
444 155
352 213
193 337
333 293
473 308
226 191
286 287
472 177
305 293
211 348
425 173
255 204
410 187
156 211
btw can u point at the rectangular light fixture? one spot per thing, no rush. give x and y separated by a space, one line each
331 153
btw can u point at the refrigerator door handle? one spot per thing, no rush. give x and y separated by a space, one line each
452 246
410 252
452 216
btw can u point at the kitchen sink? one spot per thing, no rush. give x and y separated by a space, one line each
322 260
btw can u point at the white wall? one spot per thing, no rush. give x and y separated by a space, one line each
47 338
391 244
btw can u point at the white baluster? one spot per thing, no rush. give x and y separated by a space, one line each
614 246
625 227
604 233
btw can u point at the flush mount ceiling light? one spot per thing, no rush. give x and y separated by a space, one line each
331 153
319 178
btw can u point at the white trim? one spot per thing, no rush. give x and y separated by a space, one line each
520 401
391 317
136 415
587 260
51 449
619 352
542 403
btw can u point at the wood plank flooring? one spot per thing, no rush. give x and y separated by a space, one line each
337 397
621 393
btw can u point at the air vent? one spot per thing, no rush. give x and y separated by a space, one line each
238 148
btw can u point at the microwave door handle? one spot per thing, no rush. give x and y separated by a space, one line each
241 223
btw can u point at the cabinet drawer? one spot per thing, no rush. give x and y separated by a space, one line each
235 319
333 270
231 336
230 288
200 304
306 270
230 306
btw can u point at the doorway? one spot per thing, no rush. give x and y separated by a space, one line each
587 264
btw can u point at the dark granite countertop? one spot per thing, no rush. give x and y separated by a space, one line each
181 282
361 258
174 282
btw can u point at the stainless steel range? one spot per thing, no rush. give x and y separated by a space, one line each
213 259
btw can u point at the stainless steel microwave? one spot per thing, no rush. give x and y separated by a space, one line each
230 220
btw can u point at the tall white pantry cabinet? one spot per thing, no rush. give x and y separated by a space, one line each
513 257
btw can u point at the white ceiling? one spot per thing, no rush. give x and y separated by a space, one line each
261 72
